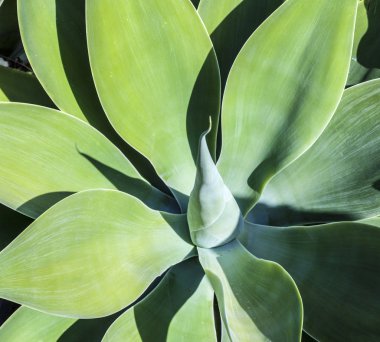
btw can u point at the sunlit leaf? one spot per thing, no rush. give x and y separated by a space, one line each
31 325
258 300
157 77
58 155
340 174
273 109
91 254
179 309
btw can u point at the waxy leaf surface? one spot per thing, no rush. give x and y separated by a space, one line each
258 299
179 309
340 174
336 268
47 155
91 254
158 80
32 325
282 91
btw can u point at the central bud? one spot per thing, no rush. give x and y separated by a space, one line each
213 215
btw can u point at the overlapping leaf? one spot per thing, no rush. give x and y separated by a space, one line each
47 155
336 268
271 118
179 309
340 174
157 78
258 300
91 254
31 325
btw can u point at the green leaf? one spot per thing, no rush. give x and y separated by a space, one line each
340 173
157 77
91 254
31 325
374 221
46 155
336 268
88 329
258 300
179 309
213 214
272 117
54 36
19 86
230 23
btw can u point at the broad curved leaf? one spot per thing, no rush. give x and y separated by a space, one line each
271 117
91 254
230 23
179 309
258 299
47 155
54 36
340 173
157 77
19 86
336 268
31 325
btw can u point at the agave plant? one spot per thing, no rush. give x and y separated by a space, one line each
292 138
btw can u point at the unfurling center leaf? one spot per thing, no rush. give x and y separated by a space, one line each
213 215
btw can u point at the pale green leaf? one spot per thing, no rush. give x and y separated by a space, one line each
179 309
19 86
214 216
336 268
47 155
54 36
273 108
340 174
31 325
91 254
157 77
230 23
258 300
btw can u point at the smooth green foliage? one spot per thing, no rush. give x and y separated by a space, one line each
31 325
179 309
213 214
335 267
47 155
340 173
19 86
230 23
107 247
270 119
252 295
53 33
162 84
75 261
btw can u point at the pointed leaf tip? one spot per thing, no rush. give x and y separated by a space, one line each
214 216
